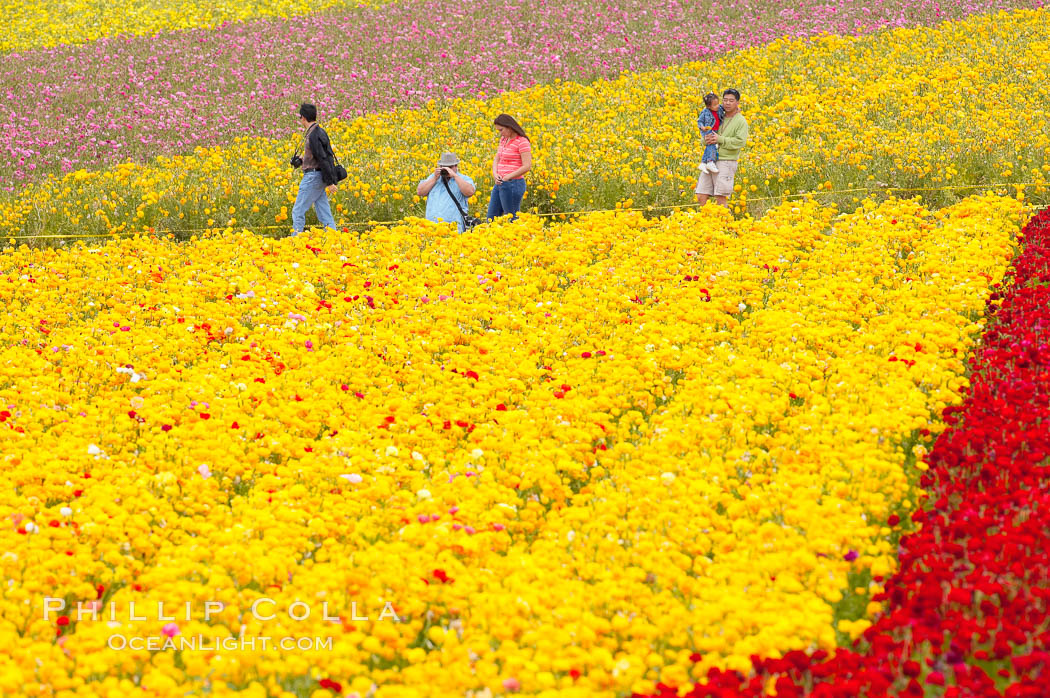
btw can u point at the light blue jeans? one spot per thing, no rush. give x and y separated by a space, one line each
311 193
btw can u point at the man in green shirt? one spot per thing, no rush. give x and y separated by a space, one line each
730 139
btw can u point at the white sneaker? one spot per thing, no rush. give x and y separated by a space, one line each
712 168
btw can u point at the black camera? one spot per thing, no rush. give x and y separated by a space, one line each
296 161
445 174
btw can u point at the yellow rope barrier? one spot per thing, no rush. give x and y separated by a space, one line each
824 192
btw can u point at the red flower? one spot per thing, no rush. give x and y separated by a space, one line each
330 685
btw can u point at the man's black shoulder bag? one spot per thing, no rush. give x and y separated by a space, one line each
468 221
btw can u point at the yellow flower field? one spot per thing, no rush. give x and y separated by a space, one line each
41 23
568 455
835 114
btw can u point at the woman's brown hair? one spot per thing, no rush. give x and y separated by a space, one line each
508 121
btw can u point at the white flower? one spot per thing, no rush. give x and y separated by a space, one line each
205 471
65 511
94 450
423 494
477 453
391 450
742 307
352 477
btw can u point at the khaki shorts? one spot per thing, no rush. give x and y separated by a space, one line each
720 184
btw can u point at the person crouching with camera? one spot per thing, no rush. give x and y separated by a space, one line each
446 191
319 177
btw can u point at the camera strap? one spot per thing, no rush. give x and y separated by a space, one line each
452 196
302 141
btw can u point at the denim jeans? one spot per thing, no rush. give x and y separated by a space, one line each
311 193
506 198
710 154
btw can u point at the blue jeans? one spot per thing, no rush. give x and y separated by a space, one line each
506 198
710 154
311 193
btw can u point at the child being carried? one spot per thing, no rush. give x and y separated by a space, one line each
709 121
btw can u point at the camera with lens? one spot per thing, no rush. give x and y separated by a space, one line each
296 161
445 174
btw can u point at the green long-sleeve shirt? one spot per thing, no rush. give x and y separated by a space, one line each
731 137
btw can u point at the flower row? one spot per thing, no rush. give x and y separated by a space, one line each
826 115
131 99
35 23
566 457
966 614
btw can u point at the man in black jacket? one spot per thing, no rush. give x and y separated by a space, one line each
318 163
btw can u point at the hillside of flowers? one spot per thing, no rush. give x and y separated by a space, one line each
71 106
620 447
826 115
568 459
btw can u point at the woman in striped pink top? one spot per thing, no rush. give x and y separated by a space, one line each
513 159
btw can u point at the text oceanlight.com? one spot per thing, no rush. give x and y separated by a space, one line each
202 643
